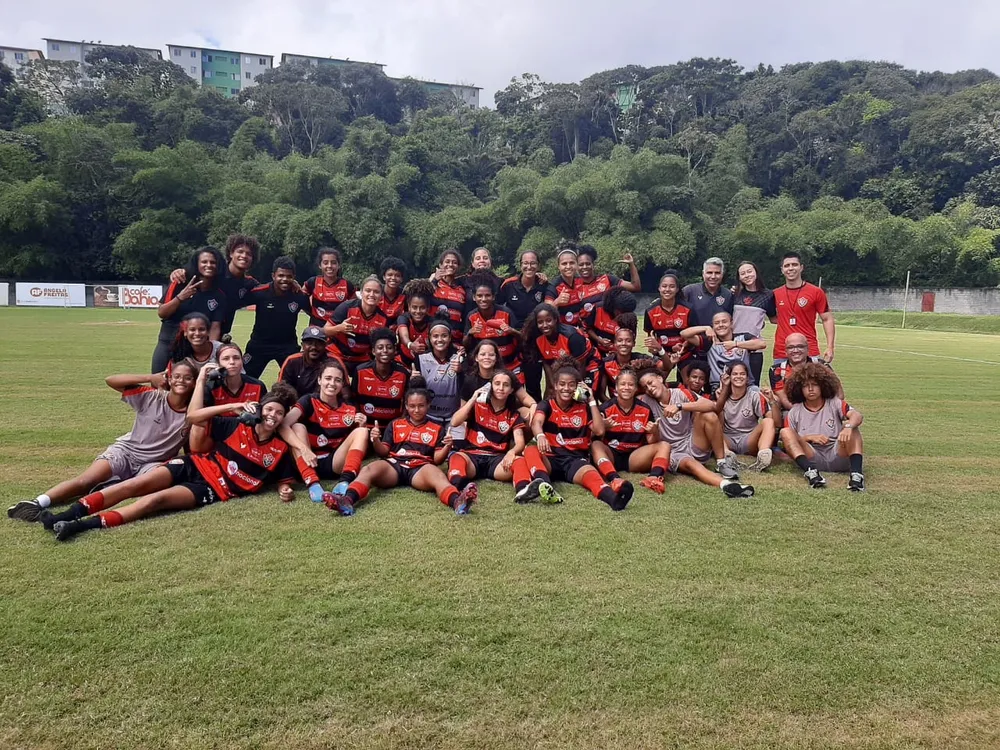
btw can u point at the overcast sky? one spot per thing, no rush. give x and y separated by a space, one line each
486 43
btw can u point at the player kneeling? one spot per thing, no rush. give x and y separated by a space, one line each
821 429
631 440
746 416
563 426
248 453
334 431
412 448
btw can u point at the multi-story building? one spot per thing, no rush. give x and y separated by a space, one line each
15 57
73 51
465 93
287 57
229 72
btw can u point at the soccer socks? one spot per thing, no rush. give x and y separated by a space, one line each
857 463
352 465
536 466
595 485
43 500
606 469
75 511
456 470
109 519
804 463
357 492
94 502
521 472
307 472
448 496
660 467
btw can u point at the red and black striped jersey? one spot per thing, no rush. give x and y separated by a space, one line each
610 367
240 463
490 432
449 300
379 398
666 325
392 308
605 327
625 430
354 347
507 342
413 445
571 311
327 426
250 389
568 342
417 332
592 292
325 298
568 431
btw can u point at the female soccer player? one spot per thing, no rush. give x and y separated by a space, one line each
413 326
566 292
479 369
602 320
227 385
546 340
691 443
450 296
753 304
329 290
378 387
441 371
193 344
596 286
631 441
620 357
334 431
490 321
665 319
563 427
412 448
522 294
481 267
393 304
200 294
494 435
821 429
244 459
351 324
746 416
157 435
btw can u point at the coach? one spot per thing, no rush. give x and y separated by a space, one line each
797 304
709 297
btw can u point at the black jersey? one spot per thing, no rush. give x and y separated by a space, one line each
276 319
236 289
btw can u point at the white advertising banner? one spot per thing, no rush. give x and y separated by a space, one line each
4 293
50 295
139 295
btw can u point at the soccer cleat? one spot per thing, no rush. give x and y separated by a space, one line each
316 493
653 483
548 495
529 492
341 488
816 480
465 499
622 496
66 530
857 483
343 505
26 510
734 490
728 467
764 458
47 519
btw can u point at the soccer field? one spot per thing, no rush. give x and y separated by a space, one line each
795 619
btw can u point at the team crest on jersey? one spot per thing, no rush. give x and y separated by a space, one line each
212 304
748 301
242 293
339 294
577 421
425 437
369 408
394 391
637 426
538 297
720 300
268 460
830 423
503 426
293 307
601 286
803 301
747 411
348 419
321 441
678 322
232 467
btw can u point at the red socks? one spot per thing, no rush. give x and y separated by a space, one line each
522 475
352 464
93 502
593 483
111 518
456 469
308 473
448 495
660 467
607 470
536 466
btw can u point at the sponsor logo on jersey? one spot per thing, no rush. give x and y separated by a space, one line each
242 293
442 309
369 408
321 312
589 306
480 438
569 317
352 343
613 444
232 468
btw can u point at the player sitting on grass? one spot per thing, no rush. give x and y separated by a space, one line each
248 453
694 377
746 416
494 433
681 417
563 426
821 429
797 350
334 431
620 356
411 451
631 440
157 435
722 346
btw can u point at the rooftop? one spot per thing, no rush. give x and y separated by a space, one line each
331 59
441 83
220 49
99 43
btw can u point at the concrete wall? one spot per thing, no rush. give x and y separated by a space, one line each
962 301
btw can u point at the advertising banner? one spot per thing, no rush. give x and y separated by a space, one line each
50 295
4 293
139 295
105 296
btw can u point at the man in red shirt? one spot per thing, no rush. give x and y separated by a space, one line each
796 305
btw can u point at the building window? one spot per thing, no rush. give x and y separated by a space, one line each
194 70
247 74
247 61
220 74
194 53
234 91
234 61
206 58
19 56
208 74
177 52
262 61
72 48
55 47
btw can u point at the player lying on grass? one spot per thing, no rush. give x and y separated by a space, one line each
746 416
631 440
687 422
157 434
563 426
494 434
334 432
412 448
821 429
247 455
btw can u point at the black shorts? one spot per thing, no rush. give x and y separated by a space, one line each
564 468
404 475
485 465
184 474
620 459
324 467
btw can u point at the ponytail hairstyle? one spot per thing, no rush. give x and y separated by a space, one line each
530 330
417 386
567 366
628 321
677 280
618 300
181 348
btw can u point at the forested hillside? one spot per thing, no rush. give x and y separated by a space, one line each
867 168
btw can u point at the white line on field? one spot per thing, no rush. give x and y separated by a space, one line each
917 354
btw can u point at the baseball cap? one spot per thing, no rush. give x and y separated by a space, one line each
313 332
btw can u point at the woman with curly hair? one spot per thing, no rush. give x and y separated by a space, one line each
414 325
602 321
821 429
192 344
547 340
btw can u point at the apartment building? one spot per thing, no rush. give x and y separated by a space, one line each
227 71
468 95
287 57
16 57
69 50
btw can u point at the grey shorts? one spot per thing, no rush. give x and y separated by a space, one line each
124 463
686 449
739 442
827 459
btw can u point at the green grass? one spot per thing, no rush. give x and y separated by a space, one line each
922 321
797 619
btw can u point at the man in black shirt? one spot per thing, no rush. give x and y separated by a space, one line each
706 299
276 319
302 370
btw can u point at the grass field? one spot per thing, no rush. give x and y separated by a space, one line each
796 619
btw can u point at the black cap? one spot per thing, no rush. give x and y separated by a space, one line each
315 333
